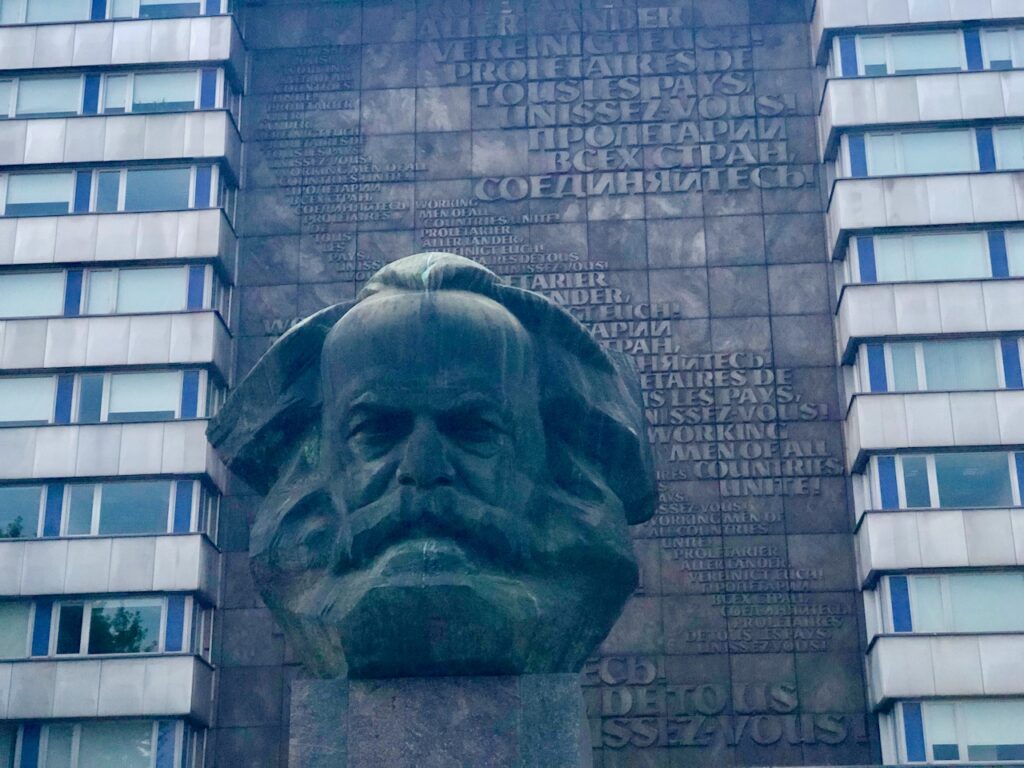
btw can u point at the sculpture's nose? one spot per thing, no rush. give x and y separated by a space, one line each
425 462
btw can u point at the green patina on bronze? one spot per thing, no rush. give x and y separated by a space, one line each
448 467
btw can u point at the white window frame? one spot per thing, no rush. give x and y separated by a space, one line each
179 734
864 369
947 603
53 399
87 283
40 512
16 82
105 404
1016 35
961 732
900 152
933 481
88 604
29 624
5 180
97 505
129 92
889 56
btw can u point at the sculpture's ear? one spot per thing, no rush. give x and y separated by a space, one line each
276 404
601 413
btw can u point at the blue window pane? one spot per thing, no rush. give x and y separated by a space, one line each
876 368
900 596
887 482
858 157
204 177
208 89
973 480
157 189
1011 363
915 482
196 286
165 744
190 395
41 628
997 253
175 623
212 7
83 189
90 398
986 149
848 56
163 9
183 506
65 390
30 745
1019 462
99 10
51 515
972 43
866 259
91 99
108 186
913 729
73 293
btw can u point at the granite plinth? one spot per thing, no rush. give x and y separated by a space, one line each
528 721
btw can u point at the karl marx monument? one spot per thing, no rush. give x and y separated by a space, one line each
448 468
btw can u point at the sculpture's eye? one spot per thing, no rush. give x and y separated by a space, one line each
378 430
477 431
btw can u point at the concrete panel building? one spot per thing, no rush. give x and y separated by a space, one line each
804 220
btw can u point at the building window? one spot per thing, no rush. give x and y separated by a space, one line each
50 11
114 508
38 194
15 624
31 294
913 152
106 191
111 291
944 365
26 400
900 54
8 743
1002 48
96 92
962 731
947 480
48 96
944 255
113 743
108 625
955 602
20 509
90 398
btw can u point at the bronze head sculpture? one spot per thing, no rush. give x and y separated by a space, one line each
448 468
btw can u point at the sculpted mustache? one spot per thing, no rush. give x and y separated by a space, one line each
486 532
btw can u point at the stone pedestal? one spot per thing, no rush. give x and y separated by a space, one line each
532 721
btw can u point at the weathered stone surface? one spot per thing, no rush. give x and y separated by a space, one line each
448 465
531 721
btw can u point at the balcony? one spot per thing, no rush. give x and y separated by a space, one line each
908 540
203 135
891 422
109 450
892 310
155 686
111 43
859 205
118 237
925 666
832 16
116 565
184 338
907 100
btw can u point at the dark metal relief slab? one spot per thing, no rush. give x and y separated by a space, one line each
650 165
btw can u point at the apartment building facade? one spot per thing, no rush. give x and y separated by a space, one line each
804 220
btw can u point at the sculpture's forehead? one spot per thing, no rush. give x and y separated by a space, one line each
447 338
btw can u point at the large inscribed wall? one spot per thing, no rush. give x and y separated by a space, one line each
650 165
